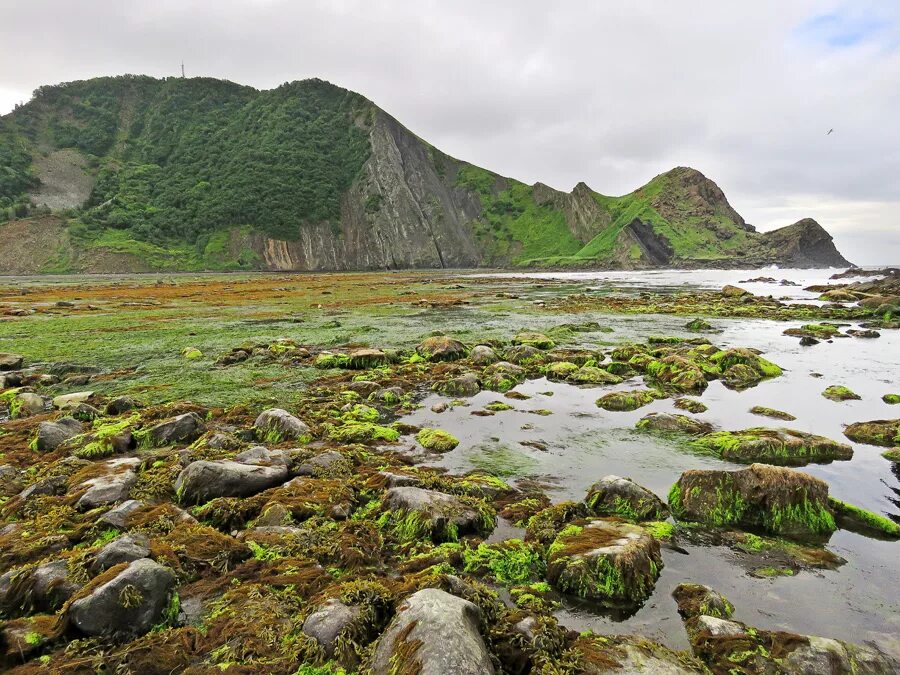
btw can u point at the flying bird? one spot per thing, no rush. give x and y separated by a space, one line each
830 131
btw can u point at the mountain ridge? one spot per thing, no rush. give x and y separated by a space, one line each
207 174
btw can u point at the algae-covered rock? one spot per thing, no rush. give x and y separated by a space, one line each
276 425
128 604
413 513
362 359
463 385
630 655
51 435
538 340
502 376
773 499
617 496
696 600
328 621
892 455
819 331
837 392
433 633
362 432
560 370
125 549
184 428
669 423
524 355
771 412
441 348
606 561
623 401
741 367
120 405
25 404
891 399
692 405
203 480
678 373
111 487
483 355
774 446
698 325
437 440
730 291
854 518
44 587
593 375
885 433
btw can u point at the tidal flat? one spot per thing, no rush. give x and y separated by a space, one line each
289 451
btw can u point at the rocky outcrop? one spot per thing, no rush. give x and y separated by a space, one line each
804 244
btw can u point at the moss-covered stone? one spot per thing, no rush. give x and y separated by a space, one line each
692 405
678 373
774 446
772 412
837 392
668 423
622 497
538 340
853 517
885 433
437 440
773 499
623 401
441 348
891 399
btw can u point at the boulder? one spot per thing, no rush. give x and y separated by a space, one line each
43 588
606 561
125 549
10 361
437 440
328 463
624 401
185 428
560 370
770 498
68 400
364 388
838 393
441 348
119 405
129 604
433 633
51 435
201 481
363 359
772 412
502 376
677 372
669 423
774 446
109 488
692 405
523 355
482 355
276 425
593 375
885 433
698 600
117 516
25 404
433 513
730 291
328 621
617 496
538 340
464 385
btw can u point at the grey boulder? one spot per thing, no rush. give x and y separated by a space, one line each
185 428
327 623
51 435
129 604
201 481
276 425
127 548
433 633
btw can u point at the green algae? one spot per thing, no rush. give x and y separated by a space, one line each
362 432
837 392
509 562
437 440
851 515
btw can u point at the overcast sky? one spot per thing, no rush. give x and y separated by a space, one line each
608 93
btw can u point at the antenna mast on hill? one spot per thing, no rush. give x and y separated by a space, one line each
182 70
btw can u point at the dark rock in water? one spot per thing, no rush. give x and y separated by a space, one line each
464 385
433 633
10 361
606 561
866 333
771 412
808 341
439 514
691 405
523 355
204 480
696 599
276 425
730 291
328 621
728 646
774 499
624 401
120 405
774 446
698 325
885 433
441 348
130 604
616 496
667 422
502 376
838 393
51 435
125 549
185 428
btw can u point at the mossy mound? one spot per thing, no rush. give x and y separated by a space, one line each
604 561
698 325
891 399
593 375
768 498
538 340
885 433
678 373
668 423
622 497
741 368
623 401
362 432
772 412
441 348
502 376
774 446
855 518
837 392
437 440
691 405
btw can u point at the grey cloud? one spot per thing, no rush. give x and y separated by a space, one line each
608 93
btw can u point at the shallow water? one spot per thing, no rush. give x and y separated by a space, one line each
860 601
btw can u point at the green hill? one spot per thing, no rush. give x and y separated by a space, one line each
136 173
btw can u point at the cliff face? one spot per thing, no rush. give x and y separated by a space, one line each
205 174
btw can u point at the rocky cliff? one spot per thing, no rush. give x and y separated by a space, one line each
133 173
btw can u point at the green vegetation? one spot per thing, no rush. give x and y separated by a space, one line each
509 562
437 440
861 517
